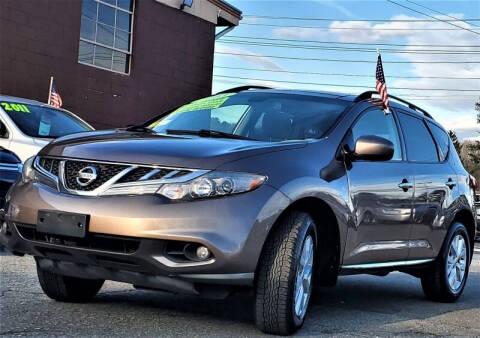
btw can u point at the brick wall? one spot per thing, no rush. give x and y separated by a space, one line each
172 60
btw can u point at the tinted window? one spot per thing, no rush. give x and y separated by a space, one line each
420 145
106 34
443 141
375 122
261 116
36 121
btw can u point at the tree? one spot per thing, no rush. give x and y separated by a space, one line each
456 143
477 108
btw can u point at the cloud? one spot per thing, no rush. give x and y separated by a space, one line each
336 5
455 101
263 62
299 33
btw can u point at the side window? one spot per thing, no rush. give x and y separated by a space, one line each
443 140
419 142
375 122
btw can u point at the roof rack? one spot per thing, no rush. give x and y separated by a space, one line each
368 95
242 88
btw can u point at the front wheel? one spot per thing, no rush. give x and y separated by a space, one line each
446 279
284 277
68 289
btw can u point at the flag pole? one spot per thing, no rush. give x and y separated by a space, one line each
50 89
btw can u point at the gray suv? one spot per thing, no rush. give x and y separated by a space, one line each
277 190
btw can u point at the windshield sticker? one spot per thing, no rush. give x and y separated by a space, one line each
10 106
44 128
212 102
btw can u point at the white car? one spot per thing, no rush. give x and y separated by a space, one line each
26 126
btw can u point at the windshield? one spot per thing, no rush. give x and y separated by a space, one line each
41 121
261 116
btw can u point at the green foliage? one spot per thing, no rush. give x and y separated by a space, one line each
455 141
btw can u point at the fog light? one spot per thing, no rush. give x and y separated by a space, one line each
202 253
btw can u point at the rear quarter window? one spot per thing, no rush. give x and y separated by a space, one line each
442 139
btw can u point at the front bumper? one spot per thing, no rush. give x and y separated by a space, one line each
233 228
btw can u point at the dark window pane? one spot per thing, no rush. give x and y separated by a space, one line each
420 145
89 9
105 35
103 57
125 4
111 2
120 63
87 30
123 21
106 14
46 122
443 141
375 122
85 52
122 40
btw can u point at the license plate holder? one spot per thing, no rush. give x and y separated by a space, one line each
62 223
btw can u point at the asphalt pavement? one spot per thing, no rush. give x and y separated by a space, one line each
357 306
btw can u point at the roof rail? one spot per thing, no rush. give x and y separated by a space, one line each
368 95
241 88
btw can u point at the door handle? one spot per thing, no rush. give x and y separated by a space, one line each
450 183
405 185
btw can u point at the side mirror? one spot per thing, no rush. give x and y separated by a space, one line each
372 148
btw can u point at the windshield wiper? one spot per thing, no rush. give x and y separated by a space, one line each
207 133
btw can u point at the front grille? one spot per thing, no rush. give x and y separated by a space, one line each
135 175
110 243
104 173
50 164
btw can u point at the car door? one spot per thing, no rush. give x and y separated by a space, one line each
381 197
427 147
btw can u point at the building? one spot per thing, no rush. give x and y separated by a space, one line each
115 62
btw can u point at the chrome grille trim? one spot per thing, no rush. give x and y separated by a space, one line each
60 180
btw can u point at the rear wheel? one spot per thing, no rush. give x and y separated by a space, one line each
284 277
68 289
446 279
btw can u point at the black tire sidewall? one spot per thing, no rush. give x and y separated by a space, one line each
308 228
456 229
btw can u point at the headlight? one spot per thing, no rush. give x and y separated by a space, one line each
213 184
28 173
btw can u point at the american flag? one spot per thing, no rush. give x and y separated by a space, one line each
55 98
381 85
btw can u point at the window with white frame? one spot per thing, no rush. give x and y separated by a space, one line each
106 34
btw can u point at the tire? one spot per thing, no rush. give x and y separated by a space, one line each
435 282
276 278
68 289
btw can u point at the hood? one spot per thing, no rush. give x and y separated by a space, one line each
164 150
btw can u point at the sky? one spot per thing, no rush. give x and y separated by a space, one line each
278 60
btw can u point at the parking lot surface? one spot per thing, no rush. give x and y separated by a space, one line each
357 306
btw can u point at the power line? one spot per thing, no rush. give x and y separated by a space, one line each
351 43
348 49
343 60
433 10
345 74
431 16
358 28
348 86
353 20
